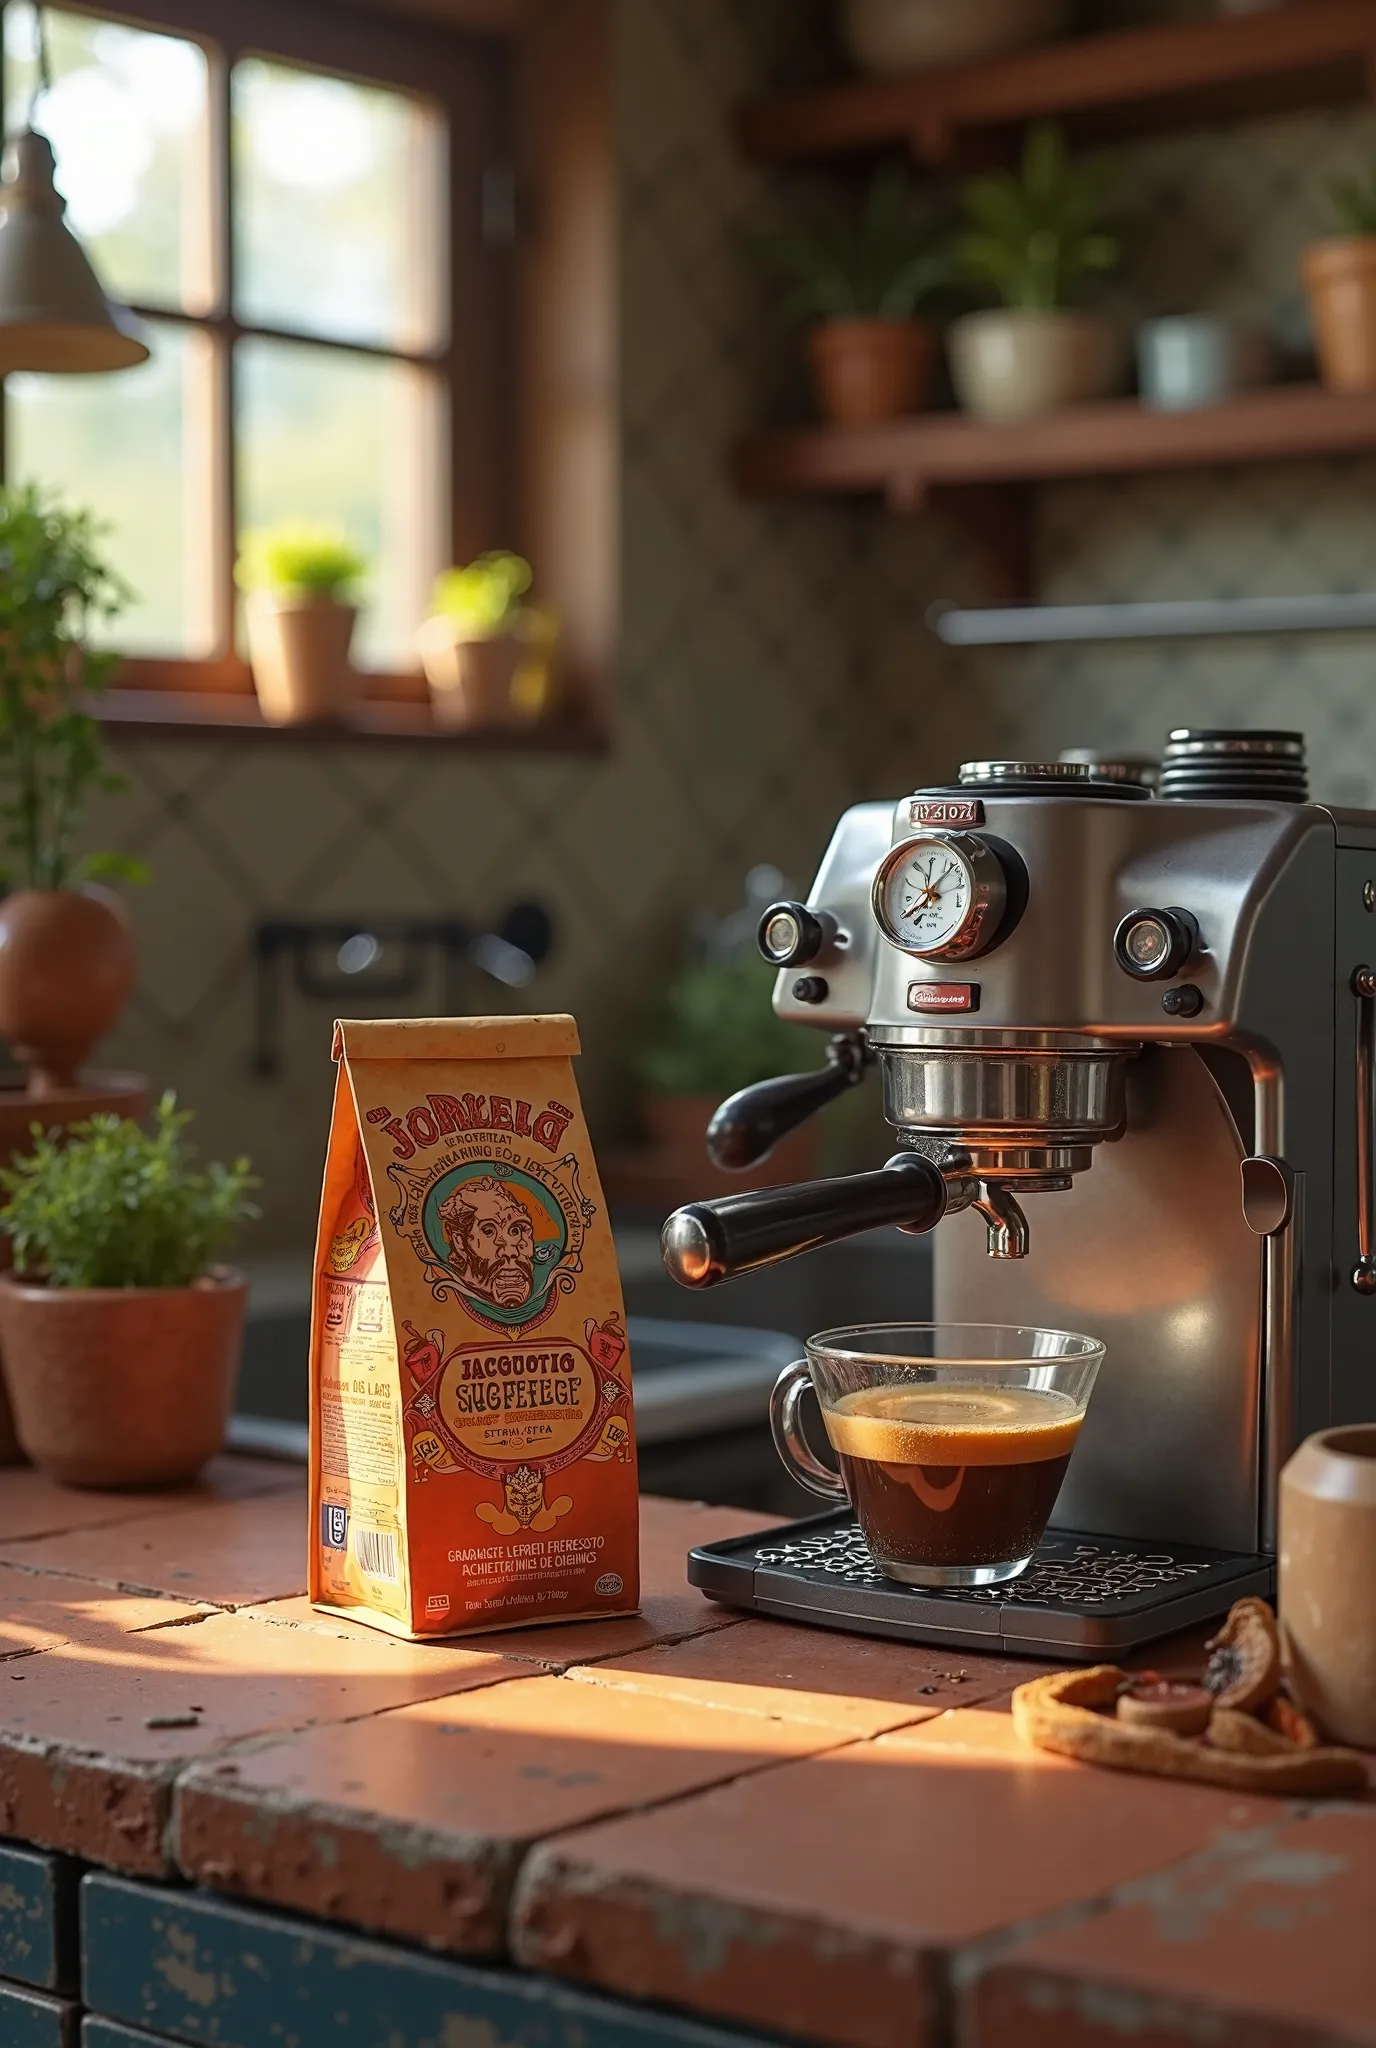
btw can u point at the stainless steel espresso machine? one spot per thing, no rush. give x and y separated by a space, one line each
1127 1044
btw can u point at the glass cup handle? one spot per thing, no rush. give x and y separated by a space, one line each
789 1441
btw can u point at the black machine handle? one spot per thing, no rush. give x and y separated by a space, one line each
708 1242
751 1122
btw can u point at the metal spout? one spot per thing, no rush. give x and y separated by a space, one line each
1008 1233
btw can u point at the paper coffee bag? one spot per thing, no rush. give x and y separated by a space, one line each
472 1454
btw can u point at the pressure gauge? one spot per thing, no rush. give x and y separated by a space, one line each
940 896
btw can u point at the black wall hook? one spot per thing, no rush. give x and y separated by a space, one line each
334 959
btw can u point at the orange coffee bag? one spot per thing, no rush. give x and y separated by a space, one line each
472 1454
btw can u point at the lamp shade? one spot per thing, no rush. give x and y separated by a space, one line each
53 314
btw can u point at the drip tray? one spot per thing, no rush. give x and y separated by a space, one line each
1082 1598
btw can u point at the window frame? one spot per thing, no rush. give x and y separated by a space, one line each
467 78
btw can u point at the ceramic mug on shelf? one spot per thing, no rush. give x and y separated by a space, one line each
1328 1580
952 1439
1195 359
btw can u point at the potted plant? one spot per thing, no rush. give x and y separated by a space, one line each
1035 236
716 1032
893 36
487 651
858 281
300 581
1340 278
121 1337
66 952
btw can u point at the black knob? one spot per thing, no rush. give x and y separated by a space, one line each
1185 1001
811 988
1152 945
790 935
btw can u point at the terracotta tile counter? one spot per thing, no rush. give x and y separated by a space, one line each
684 1827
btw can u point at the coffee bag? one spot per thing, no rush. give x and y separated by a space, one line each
472 1453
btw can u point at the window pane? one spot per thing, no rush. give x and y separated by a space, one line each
127 120
337 196
134 449
330 436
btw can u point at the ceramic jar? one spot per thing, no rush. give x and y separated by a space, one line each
1008 364
892 36
299 650
865 371
472 682
1194 359
1328 1580
122 1386
67 965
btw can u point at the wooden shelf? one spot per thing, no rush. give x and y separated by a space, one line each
1181 73
201 713
981 471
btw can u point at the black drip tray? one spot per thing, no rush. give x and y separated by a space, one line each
1082 1597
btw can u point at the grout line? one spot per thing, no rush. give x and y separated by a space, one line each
961 1968
131 1588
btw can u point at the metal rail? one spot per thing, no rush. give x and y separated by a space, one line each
1173 619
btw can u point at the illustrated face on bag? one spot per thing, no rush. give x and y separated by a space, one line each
492 1241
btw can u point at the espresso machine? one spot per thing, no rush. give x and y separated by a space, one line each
1126 1039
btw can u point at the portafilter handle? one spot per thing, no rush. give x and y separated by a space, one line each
708 1242
751 1122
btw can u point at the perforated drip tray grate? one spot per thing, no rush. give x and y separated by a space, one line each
1082 1597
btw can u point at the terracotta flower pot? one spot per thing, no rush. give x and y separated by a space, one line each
888 36
109 1094
488 685
299 650
67 966
1328 1580
119 1387
869 370
1013 365
1340 278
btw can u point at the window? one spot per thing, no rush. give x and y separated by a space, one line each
291 200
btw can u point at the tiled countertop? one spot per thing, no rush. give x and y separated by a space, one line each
790 1832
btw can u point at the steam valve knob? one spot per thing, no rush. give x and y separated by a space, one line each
1152 945
790 934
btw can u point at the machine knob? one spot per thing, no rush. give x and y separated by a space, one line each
790 935
1152 945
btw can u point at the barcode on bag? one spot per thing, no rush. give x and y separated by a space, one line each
376 1551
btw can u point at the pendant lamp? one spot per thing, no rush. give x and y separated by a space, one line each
53 314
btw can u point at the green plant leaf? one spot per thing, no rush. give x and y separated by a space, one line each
108 1204
862 262
1354 203
1034 236
113 867
718 1031
484 597
299 555
54 582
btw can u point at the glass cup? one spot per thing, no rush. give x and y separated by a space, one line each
952 1438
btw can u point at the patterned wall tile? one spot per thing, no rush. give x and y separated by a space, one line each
775 659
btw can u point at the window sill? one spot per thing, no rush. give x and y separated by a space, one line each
218 697
192 714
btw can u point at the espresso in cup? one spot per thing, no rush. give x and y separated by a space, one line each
940 1476
952 1439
